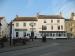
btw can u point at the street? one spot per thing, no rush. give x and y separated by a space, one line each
55 48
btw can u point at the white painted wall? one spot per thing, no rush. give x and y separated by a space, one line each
38 26
23 27
49 24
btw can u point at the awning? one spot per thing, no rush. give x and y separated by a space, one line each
20 29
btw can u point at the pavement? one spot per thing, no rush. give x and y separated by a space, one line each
38 48
50 48
29 44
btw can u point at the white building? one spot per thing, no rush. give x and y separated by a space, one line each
53 26
4 27
23 26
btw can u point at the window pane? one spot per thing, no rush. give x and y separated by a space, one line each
17 24
17 34
61 27
58 27
24 24
44 27
51 27
44 21
58 21
24 34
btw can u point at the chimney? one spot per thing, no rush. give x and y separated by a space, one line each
16 16
72 15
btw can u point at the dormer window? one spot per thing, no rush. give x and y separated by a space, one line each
44 21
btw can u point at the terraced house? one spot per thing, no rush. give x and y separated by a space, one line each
53 26
23 26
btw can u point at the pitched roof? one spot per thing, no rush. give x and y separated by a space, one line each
25 19
50 17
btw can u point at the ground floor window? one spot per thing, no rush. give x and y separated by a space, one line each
50 34
17 34
47 34
24 34
54 34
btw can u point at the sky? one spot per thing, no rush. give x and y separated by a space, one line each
10 8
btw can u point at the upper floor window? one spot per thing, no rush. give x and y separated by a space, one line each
51 21
44 27
51 27
17 24
58 21
61 27
24 24
71 29
58 27
44 21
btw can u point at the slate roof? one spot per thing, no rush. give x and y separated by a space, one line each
50 17
25 19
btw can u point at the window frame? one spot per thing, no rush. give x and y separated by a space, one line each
58 21
44 27
51 27
17 34
17 24
58 27
61 27
24 24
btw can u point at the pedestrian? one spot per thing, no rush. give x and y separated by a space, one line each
44 38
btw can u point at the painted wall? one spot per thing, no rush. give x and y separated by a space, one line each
49 24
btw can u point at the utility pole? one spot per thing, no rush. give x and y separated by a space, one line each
10 32
32 33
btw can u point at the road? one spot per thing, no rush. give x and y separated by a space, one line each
55 48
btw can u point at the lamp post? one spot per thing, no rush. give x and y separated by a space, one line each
10 32
43 34
32 32
0 28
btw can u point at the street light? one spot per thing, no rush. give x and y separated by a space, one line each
43 34
32 24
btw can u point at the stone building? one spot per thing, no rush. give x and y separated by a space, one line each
70 26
